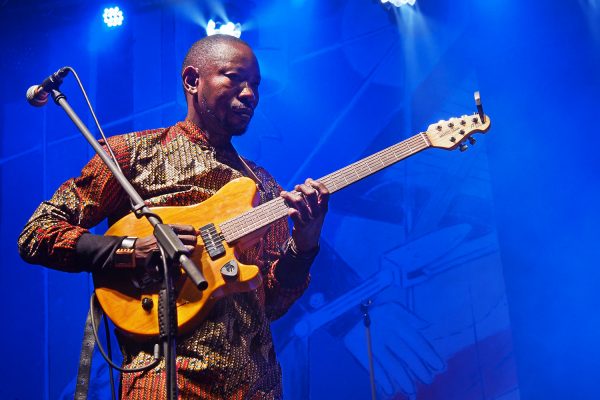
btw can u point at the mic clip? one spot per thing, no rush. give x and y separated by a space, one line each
54 80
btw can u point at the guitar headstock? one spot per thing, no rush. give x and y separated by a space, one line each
453 133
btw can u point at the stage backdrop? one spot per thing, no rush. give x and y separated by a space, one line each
477 266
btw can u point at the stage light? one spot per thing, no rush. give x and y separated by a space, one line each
229 28
399 3
113 16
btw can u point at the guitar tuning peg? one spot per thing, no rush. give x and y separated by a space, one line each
463 147
479 106
472 140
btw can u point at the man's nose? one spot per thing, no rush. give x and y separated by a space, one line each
248 94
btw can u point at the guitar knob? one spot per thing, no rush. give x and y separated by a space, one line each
463 147
147 303
472 140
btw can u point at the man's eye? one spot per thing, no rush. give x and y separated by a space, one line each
233 76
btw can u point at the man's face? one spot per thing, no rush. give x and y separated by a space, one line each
228 90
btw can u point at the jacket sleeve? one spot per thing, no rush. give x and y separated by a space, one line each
288 275
53 235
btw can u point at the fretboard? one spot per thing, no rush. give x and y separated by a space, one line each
275 209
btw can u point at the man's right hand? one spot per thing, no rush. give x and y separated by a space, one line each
145 247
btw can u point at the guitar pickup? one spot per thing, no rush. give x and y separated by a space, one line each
212 241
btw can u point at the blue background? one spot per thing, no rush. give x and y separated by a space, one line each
503 236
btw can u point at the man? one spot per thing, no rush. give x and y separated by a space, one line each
230 353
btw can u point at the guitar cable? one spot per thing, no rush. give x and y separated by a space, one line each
107 357
108 347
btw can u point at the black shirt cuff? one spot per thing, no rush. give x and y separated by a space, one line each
95 252
293 267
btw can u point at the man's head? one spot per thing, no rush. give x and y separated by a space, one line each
220 78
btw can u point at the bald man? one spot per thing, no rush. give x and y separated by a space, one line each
230 354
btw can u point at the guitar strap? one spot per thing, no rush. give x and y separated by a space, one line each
85 357
250 173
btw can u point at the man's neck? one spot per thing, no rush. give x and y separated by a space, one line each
215 139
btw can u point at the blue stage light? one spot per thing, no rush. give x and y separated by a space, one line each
399 3
229 28
113 16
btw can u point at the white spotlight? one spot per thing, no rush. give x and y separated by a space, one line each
399 3
113 16
229 28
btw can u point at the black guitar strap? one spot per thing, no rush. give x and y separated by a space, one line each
85 358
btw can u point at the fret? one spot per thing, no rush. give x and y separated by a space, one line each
408 145
425 140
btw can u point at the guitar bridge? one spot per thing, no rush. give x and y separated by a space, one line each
212 241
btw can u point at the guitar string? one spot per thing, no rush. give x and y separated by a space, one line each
263 215
390 155
277 210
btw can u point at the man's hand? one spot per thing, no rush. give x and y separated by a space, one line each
146 246
308 206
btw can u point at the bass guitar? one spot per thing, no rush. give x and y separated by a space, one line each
229 216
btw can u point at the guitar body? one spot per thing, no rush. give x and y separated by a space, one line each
122 301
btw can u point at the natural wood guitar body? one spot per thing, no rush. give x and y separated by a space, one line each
122 301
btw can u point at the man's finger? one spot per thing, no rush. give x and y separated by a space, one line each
296 201
183 229
188 239
310 196
323 193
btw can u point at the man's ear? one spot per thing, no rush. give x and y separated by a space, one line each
191 79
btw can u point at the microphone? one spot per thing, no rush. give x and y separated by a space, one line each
37 95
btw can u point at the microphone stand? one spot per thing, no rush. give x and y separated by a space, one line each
364 308
172 250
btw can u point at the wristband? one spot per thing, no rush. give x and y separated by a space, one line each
291 249
124 256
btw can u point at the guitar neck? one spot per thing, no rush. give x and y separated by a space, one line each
275 209
376 162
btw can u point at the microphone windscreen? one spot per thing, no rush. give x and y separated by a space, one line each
36 96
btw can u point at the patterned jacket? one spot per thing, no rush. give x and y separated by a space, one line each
230 354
